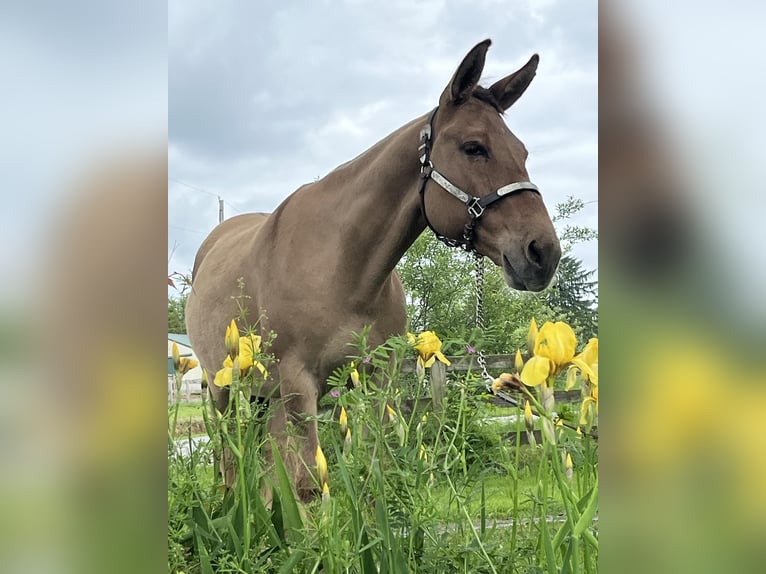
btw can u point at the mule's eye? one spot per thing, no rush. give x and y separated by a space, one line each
475 149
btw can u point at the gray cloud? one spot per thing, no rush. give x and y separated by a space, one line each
263 98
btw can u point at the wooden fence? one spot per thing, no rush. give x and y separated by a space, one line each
496 364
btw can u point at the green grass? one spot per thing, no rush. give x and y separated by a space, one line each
498 491
190 411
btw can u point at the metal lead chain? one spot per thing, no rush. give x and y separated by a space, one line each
479 287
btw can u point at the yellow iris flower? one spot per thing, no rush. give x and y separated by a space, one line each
587 361
182 364
554 347
428 346
249 347
187 365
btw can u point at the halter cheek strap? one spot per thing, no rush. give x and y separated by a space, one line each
475 205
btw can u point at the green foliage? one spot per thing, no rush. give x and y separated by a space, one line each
572 234
439 285
409 491
177 314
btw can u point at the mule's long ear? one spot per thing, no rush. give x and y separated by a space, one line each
467 75
510 88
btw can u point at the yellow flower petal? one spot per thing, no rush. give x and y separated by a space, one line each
536 371
249 346
176 356
585 369
233 339
321 462
354 375
187 364
223 377
532 335
529 422
587 361
391 413
571 378
590 353
429 347
343 421
557 342
518 362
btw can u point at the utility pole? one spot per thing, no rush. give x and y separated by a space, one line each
220 210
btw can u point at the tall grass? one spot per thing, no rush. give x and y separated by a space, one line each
407 488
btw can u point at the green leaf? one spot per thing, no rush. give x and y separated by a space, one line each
292 562
588 512
483 510
291 516
567 568
550 557
233 446
204 558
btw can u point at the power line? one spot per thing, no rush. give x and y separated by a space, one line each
201 190
189 230
194 187
234 208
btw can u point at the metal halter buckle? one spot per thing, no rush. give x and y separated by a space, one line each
475 208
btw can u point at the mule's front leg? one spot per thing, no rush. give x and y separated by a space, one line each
295 425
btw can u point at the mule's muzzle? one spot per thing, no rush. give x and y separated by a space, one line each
533 267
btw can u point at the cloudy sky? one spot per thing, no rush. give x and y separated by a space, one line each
263 97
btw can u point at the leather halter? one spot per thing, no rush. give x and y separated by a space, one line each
475 205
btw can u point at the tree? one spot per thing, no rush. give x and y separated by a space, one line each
575 296
177 314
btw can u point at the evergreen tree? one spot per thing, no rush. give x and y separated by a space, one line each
574 295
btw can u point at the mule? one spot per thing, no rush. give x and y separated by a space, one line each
322 265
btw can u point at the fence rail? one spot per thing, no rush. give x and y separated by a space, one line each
464 364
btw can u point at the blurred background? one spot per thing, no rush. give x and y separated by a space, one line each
82 253
681 141
82 234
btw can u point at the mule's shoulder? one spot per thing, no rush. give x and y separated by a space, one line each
229 231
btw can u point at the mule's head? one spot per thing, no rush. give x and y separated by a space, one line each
473 148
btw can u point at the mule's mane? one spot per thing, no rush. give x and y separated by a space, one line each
483 94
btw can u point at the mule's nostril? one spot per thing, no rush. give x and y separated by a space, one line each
534 253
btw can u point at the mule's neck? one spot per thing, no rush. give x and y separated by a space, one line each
381 216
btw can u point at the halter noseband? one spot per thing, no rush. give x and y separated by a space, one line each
476 205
